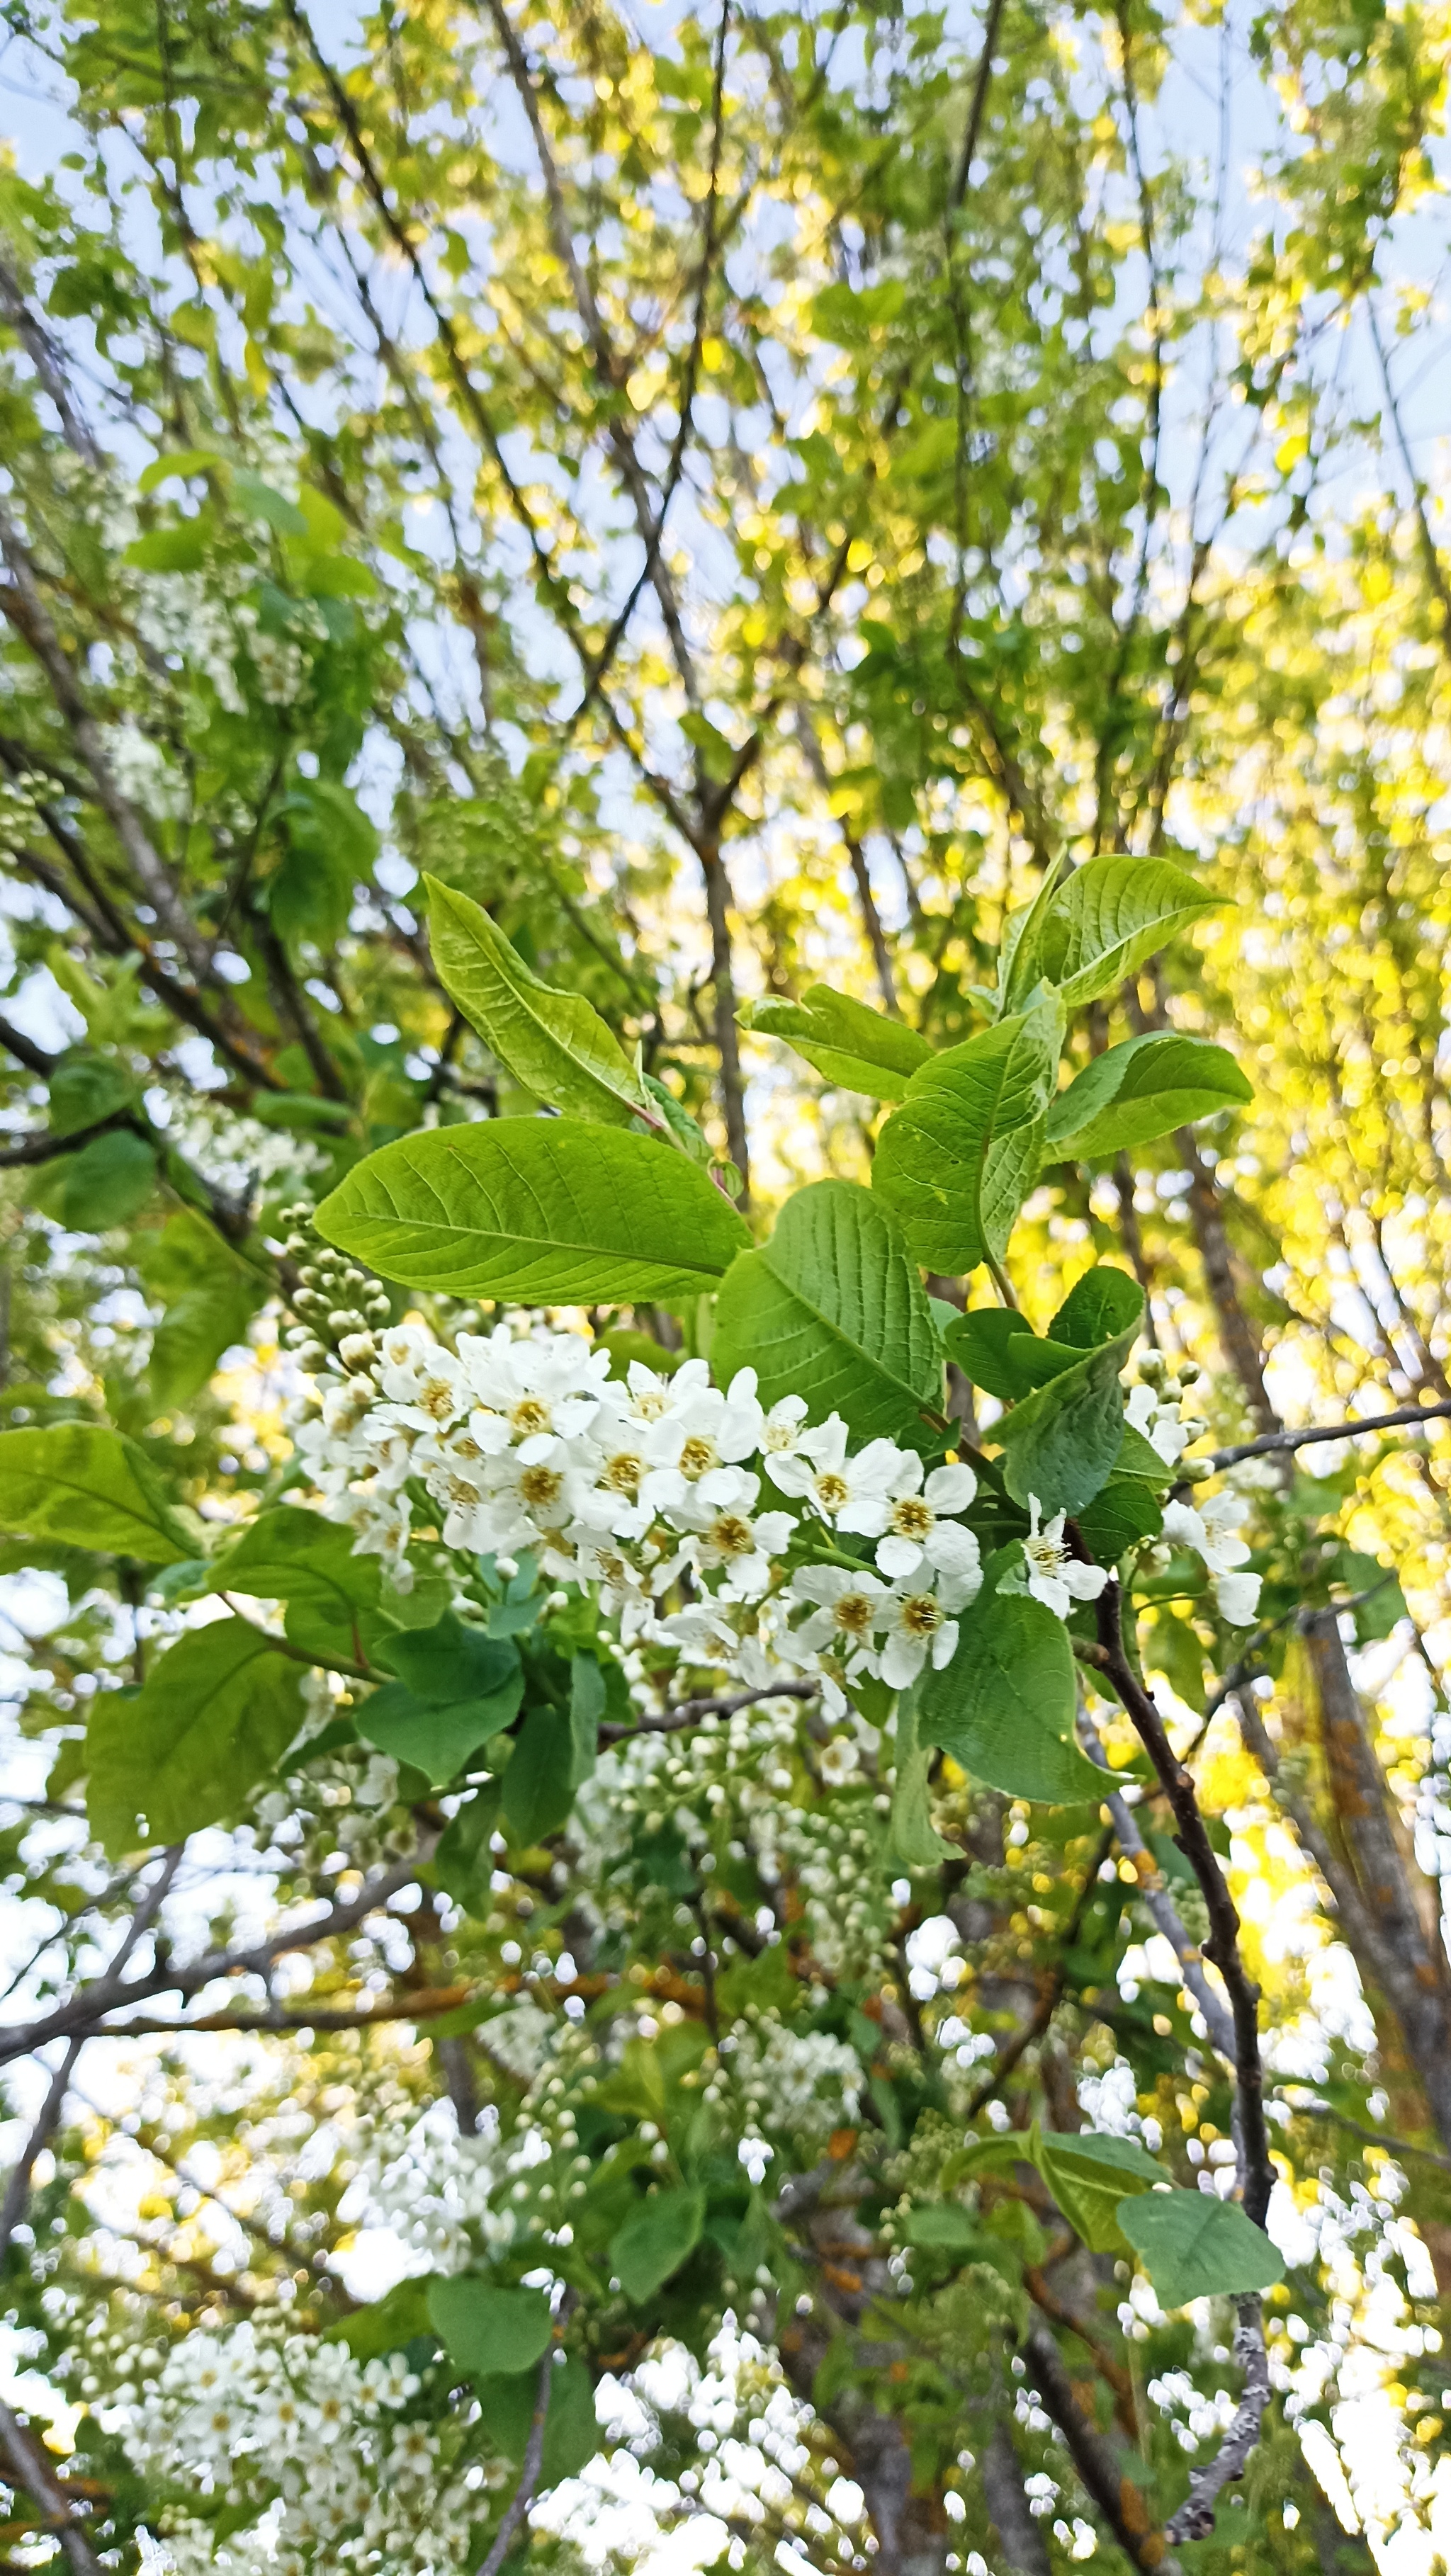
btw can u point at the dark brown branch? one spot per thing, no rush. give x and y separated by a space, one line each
1271 1443
1117 2498
31 2471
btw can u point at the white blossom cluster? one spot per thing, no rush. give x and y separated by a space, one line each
803 2082
523 1441
329 2451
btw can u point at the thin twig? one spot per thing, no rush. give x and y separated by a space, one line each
691 1712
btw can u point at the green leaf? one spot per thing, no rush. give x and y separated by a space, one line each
539 1782
464 1861
486 2329
193 1335
386 2324
571 2432
656 2241
106 1183
538 1211
88 1487
912 1838
215 1715
1020 956
294 1555
587 1697
1061 1443
1089 2175
979 1342
554 1044
1193 2245
832 1309
85 1088
850 1045
1100 1304
187 461
1143 1089
955 1162
447 1706
1004 1706
1125 1512
1111 915
179 548
943 2227
259 501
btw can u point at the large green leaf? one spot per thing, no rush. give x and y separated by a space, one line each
1090 2174
554 1044
1193 2245
912 1838
832 1309
849 1045
538 1211
1004 1706
956 1160
215 1715
485 2328
1109 916
455 1688
1143 1089
89 1487
539 1782
296 1556
571 2429
656 2241
1060 1444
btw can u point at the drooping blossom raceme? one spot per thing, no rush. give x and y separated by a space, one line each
1210 1529
643 1487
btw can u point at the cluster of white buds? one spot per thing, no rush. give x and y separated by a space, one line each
338 1305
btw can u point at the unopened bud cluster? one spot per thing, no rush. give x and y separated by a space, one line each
338 1305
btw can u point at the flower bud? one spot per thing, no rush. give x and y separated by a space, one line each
1196 1471
356 1350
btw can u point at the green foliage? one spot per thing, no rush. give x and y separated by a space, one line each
90 1487
848 1044
831 1309
213 1717
652 2245
1193 2245
957 1159
1141 1090
554 1044
486 2330
1004 1706
537 1211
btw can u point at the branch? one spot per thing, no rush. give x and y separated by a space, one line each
46 1147
1118 2500
423 2006
84 2010
690 1712
1222 1946
523 2495
32 2471
1271 1443
1195 2517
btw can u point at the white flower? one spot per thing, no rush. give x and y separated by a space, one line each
839 1761
1158 1423
532 1389
781 1430
848 1608
421 1379
916 1530
702 1433
1238 1596
1054 1577
917 1626
527 1494
1210 1531
852 1492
